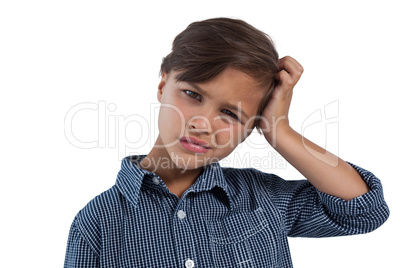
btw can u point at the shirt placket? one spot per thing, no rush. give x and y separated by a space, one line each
183 236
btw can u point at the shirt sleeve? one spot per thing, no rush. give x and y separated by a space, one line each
309 212
79 253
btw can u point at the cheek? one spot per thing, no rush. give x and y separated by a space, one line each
170 119
229 136
174 110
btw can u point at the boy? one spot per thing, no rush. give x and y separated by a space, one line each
176 207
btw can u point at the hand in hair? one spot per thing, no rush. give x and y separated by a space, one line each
327 172
275 114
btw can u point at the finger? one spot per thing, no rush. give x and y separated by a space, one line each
286 81
291 66
288 58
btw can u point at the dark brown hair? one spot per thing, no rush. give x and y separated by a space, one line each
206 48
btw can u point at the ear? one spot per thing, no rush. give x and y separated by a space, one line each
161 86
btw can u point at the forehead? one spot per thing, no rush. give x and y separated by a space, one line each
230 80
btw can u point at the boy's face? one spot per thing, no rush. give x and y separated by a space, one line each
219 112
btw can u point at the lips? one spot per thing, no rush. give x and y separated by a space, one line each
193 145
195 141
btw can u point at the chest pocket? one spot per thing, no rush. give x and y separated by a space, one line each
245 239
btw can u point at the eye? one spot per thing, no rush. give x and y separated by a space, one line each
193 94
231 114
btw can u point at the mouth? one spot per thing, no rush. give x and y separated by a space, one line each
195 141
194 145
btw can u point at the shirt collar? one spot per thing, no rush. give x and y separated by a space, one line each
130 178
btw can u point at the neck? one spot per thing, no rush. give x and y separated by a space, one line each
177 179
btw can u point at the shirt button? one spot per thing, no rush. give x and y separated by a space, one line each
155 180
181 214
189 263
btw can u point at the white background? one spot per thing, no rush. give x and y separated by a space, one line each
57 54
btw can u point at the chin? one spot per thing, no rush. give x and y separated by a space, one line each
189 162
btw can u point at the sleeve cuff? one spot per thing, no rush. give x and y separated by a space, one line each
372 200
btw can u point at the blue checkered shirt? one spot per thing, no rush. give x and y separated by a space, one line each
228 218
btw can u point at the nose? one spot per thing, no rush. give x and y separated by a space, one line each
200 124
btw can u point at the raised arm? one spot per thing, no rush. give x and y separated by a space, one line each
326 172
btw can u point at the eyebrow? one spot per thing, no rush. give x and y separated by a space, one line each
229 105
198 88
234 107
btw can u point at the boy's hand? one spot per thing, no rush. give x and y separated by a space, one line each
275 114
326 172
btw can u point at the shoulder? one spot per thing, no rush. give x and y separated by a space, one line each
273 185
96 214
100 205
242 173
249 175
247 180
